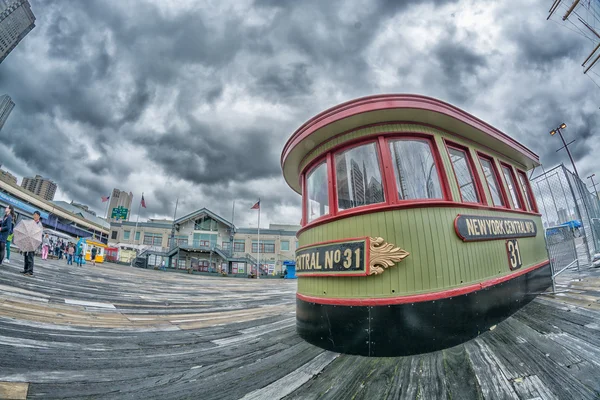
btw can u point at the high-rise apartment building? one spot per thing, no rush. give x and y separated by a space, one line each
16 21
119 207
6 106
41 186
7 177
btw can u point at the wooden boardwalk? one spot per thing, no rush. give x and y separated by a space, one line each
111 332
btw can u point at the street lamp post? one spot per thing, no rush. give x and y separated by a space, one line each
565 145
591 177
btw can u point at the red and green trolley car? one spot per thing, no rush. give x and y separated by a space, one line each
419 228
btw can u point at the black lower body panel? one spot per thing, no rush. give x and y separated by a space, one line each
414 328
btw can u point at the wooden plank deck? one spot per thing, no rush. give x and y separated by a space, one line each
111 331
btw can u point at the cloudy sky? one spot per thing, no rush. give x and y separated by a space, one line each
195 99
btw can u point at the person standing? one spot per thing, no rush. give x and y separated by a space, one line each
80 256
46 243
70 251
93 255
28 255
6 228
8 242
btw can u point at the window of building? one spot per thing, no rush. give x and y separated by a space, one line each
266 246
113 235
414 169
153 239
226 245
239 246
317 192
464 175
285 245
180 240
512 187
205 239
137 236
205 223
491 177
126 235
525 186
238 268
358 177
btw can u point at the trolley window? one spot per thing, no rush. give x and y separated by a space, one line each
316 188
464 175
526 190
491 177
512 187
415 170
358 177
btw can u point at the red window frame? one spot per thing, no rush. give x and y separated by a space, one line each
390 189
534 207
482 198
499 180
387 170
517 185
333 187
387 174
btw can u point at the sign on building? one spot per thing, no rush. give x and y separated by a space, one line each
119 213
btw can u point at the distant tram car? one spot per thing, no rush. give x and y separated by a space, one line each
419 228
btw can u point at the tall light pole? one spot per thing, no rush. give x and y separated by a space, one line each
566 145
592 179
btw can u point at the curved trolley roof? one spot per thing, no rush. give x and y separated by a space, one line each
395 108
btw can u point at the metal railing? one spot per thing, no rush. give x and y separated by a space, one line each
563 199
562 250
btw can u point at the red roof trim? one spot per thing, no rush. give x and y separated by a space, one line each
392 101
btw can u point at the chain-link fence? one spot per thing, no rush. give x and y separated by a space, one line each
562 250
564 200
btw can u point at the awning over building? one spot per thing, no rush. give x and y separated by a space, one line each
21 206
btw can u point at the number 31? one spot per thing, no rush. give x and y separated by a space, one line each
514 254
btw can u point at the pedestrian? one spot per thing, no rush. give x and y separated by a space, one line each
46 243
93 255
80 256
62 250
162 266
28 255
70 251
6 228
8 242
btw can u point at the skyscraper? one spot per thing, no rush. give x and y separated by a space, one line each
6 106
16 21
41 186
375 191
119 198
358 184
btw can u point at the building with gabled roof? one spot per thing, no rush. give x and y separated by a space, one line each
205 241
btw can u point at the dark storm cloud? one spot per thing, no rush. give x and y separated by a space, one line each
203 156
136 94
458 67
286 81
542 50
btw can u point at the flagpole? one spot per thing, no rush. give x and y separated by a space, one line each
232 232
173 241
258 264
138 218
